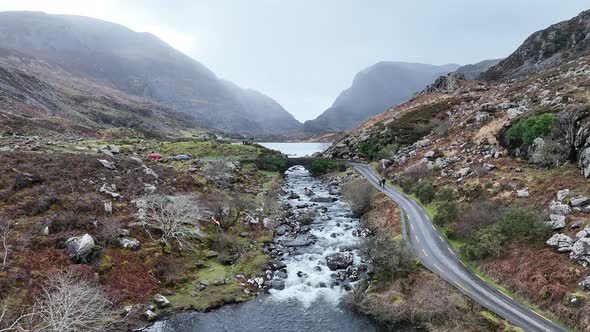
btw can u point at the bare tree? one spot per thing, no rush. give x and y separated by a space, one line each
70 304
359 194
5 232
175 218
227 209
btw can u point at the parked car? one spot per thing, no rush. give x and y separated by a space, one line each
182 157
155 156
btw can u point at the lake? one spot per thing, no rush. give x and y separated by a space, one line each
295 150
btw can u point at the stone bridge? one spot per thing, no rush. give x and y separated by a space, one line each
285 163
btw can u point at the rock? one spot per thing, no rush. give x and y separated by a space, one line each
293 196
522 193
277 265
150 315
108 207
323 199
45 231
211 254
579 201
149 188
559 208
423 143
244 234
299 242
25 180
581 251
556 222
445 84
278 284
107 153
429 154
79 248
463 172
218 282
340 260
562 194
514 112
149 171
107 164
129 243
481 117
489 167
583 233
585 283
161 301
561 242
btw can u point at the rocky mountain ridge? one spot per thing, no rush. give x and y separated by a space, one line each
134 66
374 90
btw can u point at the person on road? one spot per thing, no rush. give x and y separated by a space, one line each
382 182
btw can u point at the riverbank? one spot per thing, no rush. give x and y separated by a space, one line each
100 212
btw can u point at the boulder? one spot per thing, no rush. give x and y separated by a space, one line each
429 154
579 201
277 265
481 117
581 251
150 315
129 243
562 194
107 164
522 193
299 242
339 260
423 143
161 301
561 242
278 284
556 222
79 248
559 208
463 172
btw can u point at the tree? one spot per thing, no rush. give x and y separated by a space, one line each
227 209
425 191
175 218
71 304
359 194
477 216
391 258
446 212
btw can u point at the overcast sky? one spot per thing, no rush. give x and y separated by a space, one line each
303 53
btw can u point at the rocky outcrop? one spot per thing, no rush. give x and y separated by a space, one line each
561 242
445 84
581 251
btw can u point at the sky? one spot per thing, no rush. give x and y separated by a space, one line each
303 53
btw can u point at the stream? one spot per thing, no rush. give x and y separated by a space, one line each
312 293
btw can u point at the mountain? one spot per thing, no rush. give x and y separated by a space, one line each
547 48
140 66
473 71
374 90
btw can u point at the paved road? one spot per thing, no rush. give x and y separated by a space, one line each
436 254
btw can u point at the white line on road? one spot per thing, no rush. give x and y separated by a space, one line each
451 251
433 227
508 296
417 239
440 237
424 251
538 314
441 270
458 284
411 225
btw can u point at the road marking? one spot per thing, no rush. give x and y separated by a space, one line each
480 277
425 254
440 237
451 251
417 239
433 227
538 314
438 268
508 296
458 284
411 225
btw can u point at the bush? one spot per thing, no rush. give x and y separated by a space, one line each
424 191
446 194
412 175
477 216
517 225
359 194
319 167
446 212
391 258
525 131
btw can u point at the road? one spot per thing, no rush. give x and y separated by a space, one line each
438 256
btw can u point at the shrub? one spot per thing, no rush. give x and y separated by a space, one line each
477 216
525 131
359 194
446 194
391 258
424 191
319 167
487 242
446 212
412 175
371 148
524 225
